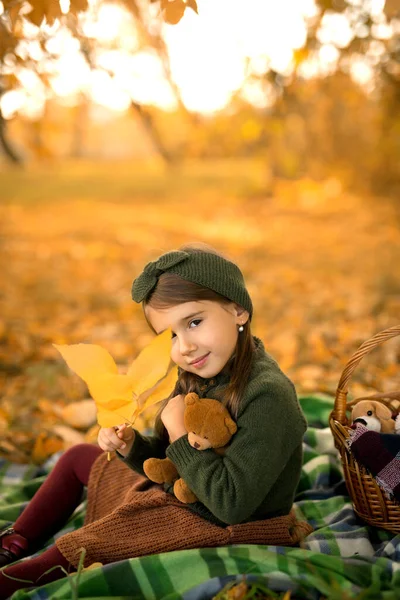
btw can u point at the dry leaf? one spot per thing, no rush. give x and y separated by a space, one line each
70 436
81 415
46 444
3 420
120 398
152 363
92 433
173 11
77 6
158 392
87 359
95 565
193 5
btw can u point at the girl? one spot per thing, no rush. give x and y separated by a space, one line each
245 496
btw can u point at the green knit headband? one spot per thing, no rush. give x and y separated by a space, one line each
204 268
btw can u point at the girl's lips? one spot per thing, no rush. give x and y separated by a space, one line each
199 363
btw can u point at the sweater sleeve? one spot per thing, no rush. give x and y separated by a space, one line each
233 485
143 447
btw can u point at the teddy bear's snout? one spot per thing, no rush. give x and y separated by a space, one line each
196 445
361 421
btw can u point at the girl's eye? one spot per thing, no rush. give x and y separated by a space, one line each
173 335
195 323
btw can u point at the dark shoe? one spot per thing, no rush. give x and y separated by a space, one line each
12 546
6 558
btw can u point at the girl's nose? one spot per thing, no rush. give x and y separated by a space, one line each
186 346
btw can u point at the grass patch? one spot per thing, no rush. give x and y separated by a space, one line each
133 181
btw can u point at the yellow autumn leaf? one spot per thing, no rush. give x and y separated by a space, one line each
46 444
173 10
87 359
111 418
152 363
120 398
161 391
108 385
95 565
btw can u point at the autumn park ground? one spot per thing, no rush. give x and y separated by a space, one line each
322 265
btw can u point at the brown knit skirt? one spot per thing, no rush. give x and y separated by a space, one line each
128 516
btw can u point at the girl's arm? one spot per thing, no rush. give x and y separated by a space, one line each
173 417
144 447
233 486
131 446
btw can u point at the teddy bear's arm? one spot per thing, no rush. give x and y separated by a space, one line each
143 447
160 470
183 492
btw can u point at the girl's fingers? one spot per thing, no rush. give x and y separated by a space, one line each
109 441
124 432
120 431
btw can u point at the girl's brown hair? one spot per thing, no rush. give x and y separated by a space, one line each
172 290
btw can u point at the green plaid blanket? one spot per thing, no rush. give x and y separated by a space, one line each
342 558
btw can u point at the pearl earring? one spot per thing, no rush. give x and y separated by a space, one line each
241 328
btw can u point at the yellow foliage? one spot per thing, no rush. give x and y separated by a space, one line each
7 41
77 6
45 445
44 9
121 398
322 267
95 565
251 129
173 10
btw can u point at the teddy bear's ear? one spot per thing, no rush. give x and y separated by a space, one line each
231 425
383 412
191 398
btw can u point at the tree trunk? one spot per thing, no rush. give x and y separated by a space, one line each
80 118
152 132
9 151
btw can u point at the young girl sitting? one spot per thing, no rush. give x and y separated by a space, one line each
244 496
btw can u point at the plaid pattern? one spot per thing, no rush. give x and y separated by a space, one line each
339 559
380 453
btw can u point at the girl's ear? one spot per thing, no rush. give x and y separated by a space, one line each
242 314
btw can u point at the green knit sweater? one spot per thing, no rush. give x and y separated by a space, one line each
257 476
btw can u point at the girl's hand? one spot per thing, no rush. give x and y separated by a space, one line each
118 438
172 417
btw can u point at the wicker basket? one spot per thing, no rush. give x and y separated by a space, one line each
369 500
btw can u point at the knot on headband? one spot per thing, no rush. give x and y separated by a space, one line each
143 285
206 269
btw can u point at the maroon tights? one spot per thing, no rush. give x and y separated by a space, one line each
45 514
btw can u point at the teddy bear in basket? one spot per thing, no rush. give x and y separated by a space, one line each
209 425
373 444
375 415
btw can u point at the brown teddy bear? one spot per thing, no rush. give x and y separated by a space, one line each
376 416
209 425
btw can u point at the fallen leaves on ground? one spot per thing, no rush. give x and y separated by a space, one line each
244 591
322 267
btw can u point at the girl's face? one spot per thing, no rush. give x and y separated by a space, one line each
204 333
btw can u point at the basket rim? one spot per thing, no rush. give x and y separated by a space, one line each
341 404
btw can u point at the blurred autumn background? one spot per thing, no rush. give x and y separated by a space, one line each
269 130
